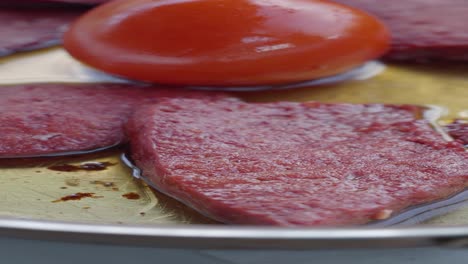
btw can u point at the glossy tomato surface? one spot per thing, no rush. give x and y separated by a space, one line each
225 42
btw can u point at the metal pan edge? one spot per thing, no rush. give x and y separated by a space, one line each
234 237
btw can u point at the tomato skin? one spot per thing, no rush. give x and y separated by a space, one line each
225 42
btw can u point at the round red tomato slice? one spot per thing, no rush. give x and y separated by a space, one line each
225 42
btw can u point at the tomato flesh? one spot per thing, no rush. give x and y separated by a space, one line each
225 42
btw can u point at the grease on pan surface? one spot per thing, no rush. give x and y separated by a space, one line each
28 28
422 29
47 190
26 195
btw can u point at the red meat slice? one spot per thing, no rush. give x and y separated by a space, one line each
23 29
307 164
56 118
459 131
422 29
50 2
81 1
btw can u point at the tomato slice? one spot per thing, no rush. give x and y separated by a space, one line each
225 42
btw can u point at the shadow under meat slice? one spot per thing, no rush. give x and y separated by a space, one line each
294 164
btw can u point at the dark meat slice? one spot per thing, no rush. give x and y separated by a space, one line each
458 130
81 1
51 3
56 118
23 29
422 29
306 164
